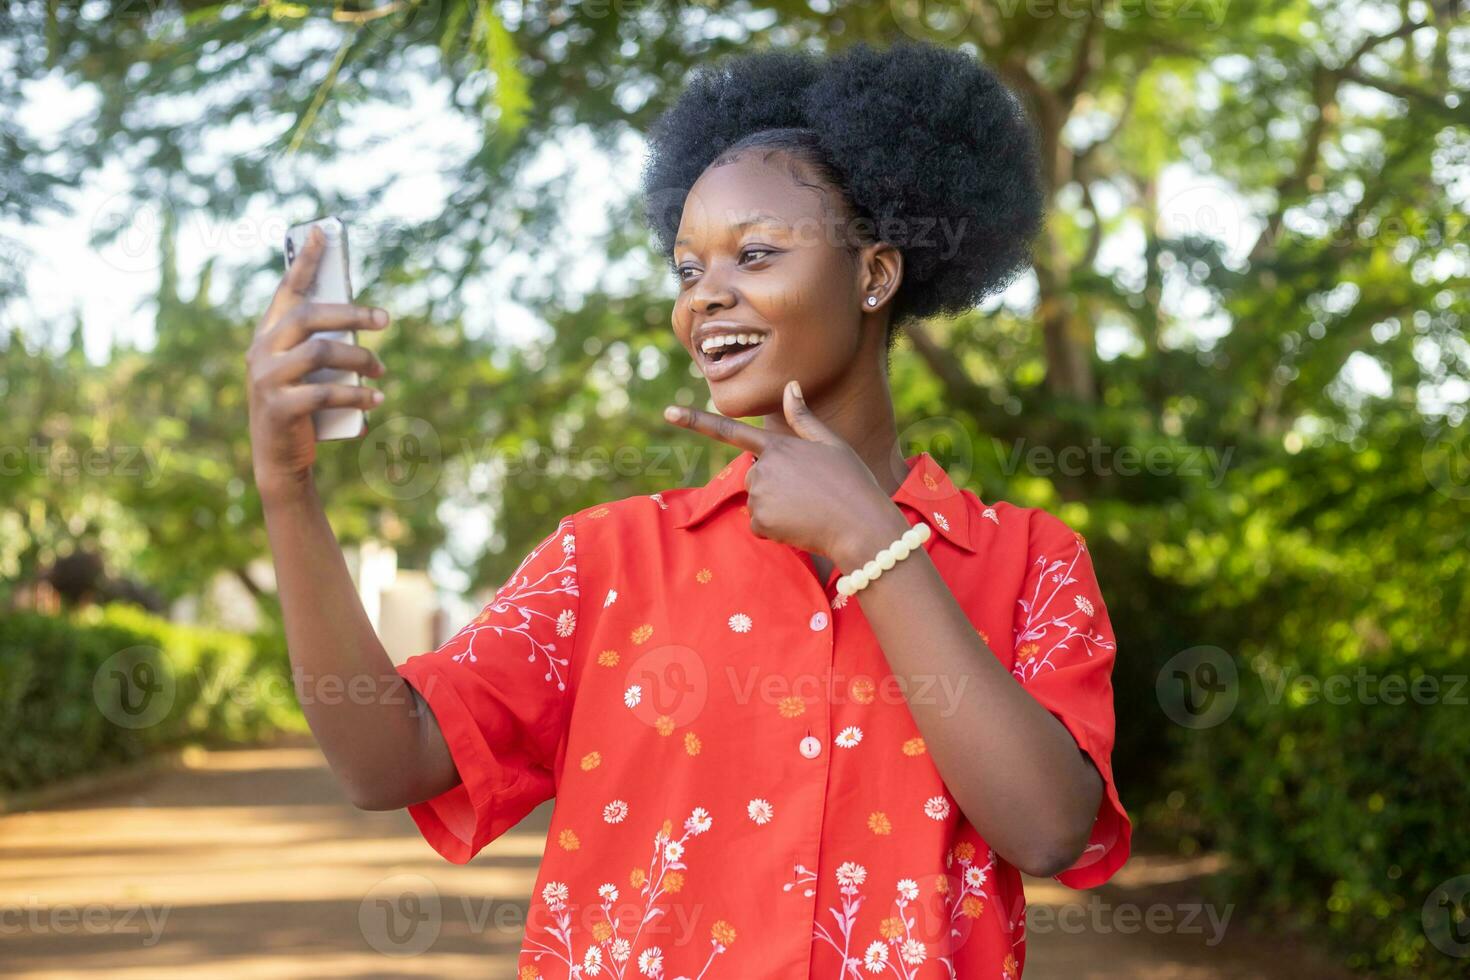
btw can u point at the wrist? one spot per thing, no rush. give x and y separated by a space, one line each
867 536
277 493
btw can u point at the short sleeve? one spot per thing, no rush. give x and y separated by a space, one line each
1064 658
499 689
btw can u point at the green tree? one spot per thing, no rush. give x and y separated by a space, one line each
1252 211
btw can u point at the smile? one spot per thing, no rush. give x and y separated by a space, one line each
722 355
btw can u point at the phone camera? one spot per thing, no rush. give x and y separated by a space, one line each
290 250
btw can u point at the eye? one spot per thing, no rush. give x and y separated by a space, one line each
758 251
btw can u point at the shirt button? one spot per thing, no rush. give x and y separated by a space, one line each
811 747
818 622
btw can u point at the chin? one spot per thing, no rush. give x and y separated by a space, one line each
743 398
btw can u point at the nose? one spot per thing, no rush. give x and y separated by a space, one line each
711 292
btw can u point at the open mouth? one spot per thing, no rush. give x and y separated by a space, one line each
724 354
718 348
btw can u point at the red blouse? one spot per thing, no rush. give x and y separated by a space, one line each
741 790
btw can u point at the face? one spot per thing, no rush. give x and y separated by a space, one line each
759 255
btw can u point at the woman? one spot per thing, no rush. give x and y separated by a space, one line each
788 735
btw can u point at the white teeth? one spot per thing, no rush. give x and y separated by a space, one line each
725 339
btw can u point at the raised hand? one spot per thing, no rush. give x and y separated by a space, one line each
282 440
809 490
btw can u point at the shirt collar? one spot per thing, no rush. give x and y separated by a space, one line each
927 489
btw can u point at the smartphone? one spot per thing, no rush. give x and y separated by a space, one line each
333 284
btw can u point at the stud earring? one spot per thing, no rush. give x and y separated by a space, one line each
872 301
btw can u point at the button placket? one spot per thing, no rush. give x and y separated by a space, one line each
818 721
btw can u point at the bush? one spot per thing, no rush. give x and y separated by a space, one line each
109 685
1340 780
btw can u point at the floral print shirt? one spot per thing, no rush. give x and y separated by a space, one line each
741 790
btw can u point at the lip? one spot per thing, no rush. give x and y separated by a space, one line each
730 363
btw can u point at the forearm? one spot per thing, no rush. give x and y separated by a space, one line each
1013 768
367 719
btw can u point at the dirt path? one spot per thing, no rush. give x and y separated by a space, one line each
249 863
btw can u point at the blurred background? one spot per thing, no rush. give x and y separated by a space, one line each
1239 368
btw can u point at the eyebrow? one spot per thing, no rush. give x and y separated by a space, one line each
755 218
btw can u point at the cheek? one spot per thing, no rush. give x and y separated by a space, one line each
681 320
804 292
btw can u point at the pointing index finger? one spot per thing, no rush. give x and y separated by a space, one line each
732 431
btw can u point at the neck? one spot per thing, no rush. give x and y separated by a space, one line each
860 410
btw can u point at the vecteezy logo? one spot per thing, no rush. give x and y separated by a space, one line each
400 21
932 20
1198 687
1446 462
401 458
947 903
666 686
400 915
132 231
1203 210
1446 916
944 439
664 208
134 688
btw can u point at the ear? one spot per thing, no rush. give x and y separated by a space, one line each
802 420
880 275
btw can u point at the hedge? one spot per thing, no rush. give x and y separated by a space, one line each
1339 782
109 685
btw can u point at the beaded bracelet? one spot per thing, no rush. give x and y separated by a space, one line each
885 559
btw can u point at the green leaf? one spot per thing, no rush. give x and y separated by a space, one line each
452 27
511 92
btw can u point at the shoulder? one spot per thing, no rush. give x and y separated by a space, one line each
1002 527
641 513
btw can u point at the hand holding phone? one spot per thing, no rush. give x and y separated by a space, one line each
332 284
298 337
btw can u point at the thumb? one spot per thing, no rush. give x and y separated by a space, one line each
802 419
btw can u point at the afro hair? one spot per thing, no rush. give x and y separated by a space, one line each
923 143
